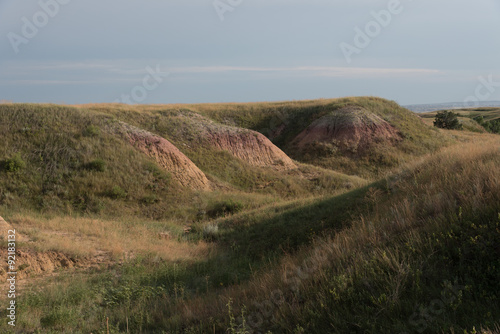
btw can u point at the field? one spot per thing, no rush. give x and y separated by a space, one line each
349 215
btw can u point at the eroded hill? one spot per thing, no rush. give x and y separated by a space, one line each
186 219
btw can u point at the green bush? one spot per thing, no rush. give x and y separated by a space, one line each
492 126
447 120
224 208
97 165
150 199
117 193
91 131
14 164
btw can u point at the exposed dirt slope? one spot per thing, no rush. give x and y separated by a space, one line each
251 147
351 128
247 145
4 231
167 155
30 262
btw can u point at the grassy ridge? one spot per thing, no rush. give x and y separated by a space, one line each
181 125
73 165
422 256
283 121
309 251
424 259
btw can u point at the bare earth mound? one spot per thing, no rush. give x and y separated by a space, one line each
247 145
350 127
167 155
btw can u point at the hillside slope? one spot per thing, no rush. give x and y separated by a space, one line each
229 155
82 161
390 134
415 253
114 241
165 154
421 255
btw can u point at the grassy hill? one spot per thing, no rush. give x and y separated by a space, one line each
72 163
112 242
282 122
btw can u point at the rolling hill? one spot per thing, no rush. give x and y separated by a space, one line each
349 215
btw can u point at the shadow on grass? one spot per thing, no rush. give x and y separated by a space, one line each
250 243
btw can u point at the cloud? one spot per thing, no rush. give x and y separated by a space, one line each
123 71
320 71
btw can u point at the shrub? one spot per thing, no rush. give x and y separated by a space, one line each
87 202
97 165
447 120
479 120
150 199
492 126
91 131
14 164
117 193
225 207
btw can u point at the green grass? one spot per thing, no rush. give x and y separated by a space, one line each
490 119
306 251
294 117
63 160
489 114
282 122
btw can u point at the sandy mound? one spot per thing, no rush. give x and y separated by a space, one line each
167 155
247 145
349 127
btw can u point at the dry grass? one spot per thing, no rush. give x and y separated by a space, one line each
362 276
121 239
465 176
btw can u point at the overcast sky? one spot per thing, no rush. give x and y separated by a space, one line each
247 50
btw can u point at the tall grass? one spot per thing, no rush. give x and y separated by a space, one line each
433 241
308 251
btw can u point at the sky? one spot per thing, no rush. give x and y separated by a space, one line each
193 51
